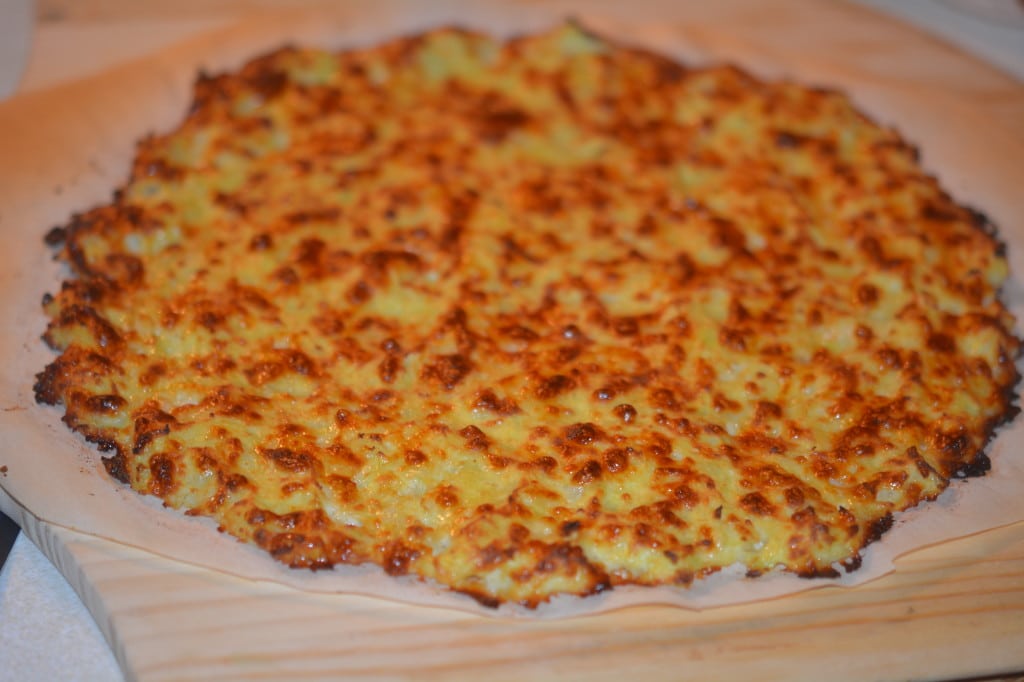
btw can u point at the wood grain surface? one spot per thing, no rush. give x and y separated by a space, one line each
955 610
951 611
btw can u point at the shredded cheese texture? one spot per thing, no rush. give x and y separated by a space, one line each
532 317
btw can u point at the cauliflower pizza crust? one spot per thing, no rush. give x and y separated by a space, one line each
534 317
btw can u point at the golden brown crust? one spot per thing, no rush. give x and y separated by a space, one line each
542 317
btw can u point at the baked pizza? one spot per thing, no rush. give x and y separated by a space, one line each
531 317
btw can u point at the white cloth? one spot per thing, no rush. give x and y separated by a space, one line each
46 633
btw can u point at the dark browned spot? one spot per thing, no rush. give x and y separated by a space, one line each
388 369
625 412
488 400
161 468
150 423
287 459
475 438
616 460
591 471
552 386
447 496
867 294
415 457
942 343
756 504
261 242
447 370
105 404
397 557
584 434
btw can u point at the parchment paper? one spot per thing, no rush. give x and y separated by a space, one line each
67 149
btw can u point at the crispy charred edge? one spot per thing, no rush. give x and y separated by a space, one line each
91 283
981 222
117 467
875 530
45 387
979 463
555 553
65 236
263 75
259 73
603 583
811 572
47 392
52 387
303 539
1009 393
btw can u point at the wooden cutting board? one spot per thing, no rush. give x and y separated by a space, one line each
951 611
955 610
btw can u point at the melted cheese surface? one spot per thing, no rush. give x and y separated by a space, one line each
535 317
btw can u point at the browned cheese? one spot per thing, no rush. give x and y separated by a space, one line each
536 317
